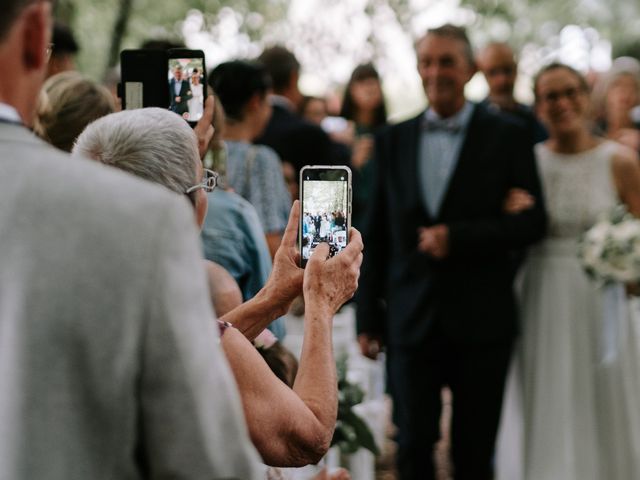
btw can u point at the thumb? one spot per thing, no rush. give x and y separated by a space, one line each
319 254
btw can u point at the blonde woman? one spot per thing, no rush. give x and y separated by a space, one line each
69 102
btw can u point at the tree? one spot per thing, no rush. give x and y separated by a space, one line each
127 23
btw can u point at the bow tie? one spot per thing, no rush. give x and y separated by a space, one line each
445 125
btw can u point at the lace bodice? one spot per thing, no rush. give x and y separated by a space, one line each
577 188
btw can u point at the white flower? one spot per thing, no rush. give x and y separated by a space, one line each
610 250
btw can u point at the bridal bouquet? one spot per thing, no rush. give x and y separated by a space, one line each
610 250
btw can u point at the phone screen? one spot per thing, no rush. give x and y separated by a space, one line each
186 87
326 209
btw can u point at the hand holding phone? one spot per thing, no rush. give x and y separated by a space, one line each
325 209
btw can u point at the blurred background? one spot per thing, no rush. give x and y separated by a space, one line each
330 37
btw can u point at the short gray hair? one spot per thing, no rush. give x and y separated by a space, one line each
453 32
151 143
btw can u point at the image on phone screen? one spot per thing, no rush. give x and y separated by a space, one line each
186 89
324 212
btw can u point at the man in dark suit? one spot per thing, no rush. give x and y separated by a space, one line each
297 141
180 92
436 279
497 62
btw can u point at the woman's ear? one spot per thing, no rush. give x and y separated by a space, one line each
202 204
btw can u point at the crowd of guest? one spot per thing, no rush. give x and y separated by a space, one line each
323 227
146 266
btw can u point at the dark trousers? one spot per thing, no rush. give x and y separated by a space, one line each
476 374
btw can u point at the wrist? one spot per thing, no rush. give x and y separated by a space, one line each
318 309
273 304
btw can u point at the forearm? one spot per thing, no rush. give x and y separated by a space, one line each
283 429
253 316
316 382
488 236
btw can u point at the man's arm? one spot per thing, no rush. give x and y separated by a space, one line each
186 88
504 231
191 422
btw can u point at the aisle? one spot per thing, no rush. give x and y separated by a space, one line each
376 407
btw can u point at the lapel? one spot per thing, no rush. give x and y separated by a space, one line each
409 148
463 171
412 153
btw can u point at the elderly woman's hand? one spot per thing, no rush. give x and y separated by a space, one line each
285 281
330 282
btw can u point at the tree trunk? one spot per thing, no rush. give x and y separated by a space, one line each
119 30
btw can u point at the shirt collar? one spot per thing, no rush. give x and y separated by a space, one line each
9 113
461 118
281 101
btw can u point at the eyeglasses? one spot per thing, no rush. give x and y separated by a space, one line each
48 51
209 182
570 93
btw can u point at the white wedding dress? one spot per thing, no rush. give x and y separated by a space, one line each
572 402
195 104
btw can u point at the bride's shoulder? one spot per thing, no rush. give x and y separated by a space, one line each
623 158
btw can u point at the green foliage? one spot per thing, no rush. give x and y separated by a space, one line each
535 24
351 432
93 22
532 21
627 49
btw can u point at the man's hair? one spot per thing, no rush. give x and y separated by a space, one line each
236 82
456 33
70 101
10 11
63 40
280 64
151 143
494 44
558 66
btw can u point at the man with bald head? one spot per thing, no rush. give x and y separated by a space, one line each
498 64
110 365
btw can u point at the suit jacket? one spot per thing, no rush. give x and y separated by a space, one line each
524 114
403 292
295 140
110 365
185 96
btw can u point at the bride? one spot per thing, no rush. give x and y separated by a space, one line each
196 103
572 403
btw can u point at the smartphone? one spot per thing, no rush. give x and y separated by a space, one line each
325 209
174 79
142 74
186 78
